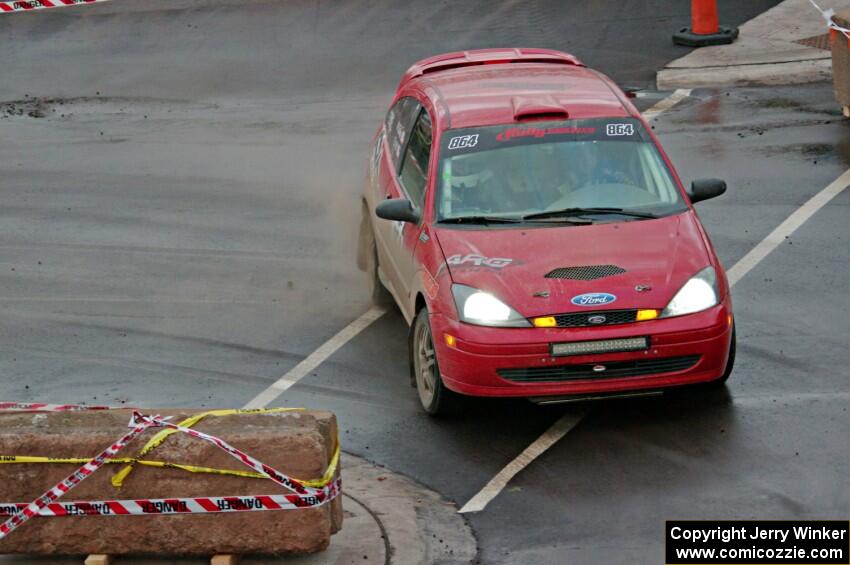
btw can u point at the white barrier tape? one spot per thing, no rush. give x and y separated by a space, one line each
42 407
35 507
827 15
276 476
166 506
27 5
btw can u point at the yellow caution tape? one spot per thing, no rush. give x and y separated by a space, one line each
156 441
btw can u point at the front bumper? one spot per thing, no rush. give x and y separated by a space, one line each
517 361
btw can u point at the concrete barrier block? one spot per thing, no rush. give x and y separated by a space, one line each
299 444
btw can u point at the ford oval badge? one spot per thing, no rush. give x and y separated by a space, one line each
593 299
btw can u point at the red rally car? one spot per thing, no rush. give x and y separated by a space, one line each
536 237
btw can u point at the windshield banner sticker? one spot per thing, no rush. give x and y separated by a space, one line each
513 133
485 138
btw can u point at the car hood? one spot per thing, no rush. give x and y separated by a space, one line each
657 256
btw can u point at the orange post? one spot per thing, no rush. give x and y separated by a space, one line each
705 28
704 17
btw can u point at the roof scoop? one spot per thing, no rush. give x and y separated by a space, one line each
538 108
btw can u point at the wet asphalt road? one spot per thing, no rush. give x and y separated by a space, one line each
178 229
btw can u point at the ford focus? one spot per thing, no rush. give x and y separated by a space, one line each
536 237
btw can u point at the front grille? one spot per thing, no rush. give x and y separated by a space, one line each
586 272
582 319
613 370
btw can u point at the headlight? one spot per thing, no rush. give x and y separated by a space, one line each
698 294
484 309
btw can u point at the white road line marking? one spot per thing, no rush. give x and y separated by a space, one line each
316 358
667 103
570 420
786 228
549 438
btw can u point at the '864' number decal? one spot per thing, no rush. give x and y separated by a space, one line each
615 130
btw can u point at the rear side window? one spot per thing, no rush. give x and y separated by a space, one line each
399 121
414 167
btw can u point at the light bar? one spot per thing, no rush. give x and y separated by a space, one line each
600 346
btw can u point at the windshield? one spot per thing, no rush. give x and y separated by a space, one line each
513 172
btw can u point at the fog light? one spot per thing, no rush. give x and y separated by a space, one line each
646 315
450 340
545 322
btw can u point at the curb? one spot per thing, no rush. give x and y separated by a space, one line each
775 47
768 74
421 527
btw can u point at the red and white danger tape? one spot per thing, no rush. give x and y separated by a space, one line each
199 505
27 5
35 507
41 407
45 505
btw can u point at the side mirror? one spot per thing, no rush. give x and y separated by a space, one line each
631 91
703 189
398 210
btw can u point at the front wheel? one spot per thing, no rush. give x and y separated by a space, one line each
436 399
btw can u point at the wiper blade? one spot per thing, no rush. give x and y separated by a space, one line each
480 220
569 212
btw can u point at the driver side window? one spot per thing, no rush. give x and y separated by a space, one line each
414 166
397 126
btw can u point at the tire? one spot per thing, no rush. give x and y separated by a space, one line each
436 399
730 364
367 260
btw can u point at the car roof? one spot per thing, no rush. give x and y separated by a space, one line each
489 87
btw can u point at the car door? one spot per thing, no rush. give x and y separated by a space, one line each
413 179
393 255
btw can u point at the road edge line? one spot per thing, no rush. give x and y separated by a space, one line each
666 103
316 358
784 230
539 446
